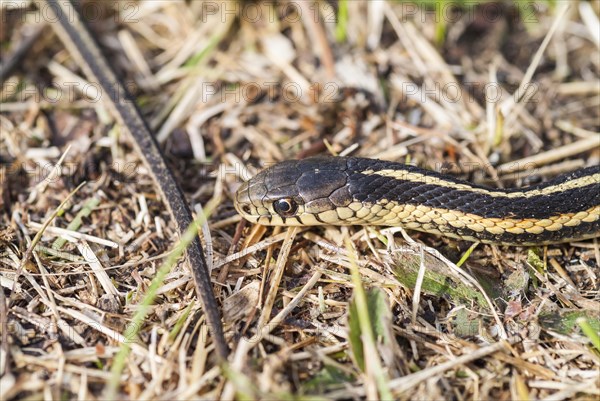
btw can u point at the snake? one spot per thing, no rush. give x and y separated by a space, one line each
329 190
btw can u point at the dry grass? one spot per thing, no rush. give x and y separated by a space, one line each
489 94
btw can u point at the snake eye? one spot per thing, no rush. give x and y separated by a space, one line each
285 207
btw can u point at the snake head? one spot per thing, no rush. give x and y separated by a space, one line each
296 192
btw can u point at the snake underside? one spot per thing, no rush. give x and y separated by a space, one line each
349 191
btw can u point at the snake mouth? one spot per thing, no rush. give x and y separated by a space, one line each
243 204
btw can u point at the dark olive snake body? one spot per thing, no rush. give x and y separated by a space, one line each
358 191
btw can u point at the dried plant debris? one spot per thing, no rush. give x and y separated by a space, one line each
503 94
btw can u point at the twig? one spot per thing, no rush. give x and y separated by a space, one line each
79 41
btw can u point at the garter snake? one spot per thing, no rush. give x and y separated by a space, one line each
357 191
